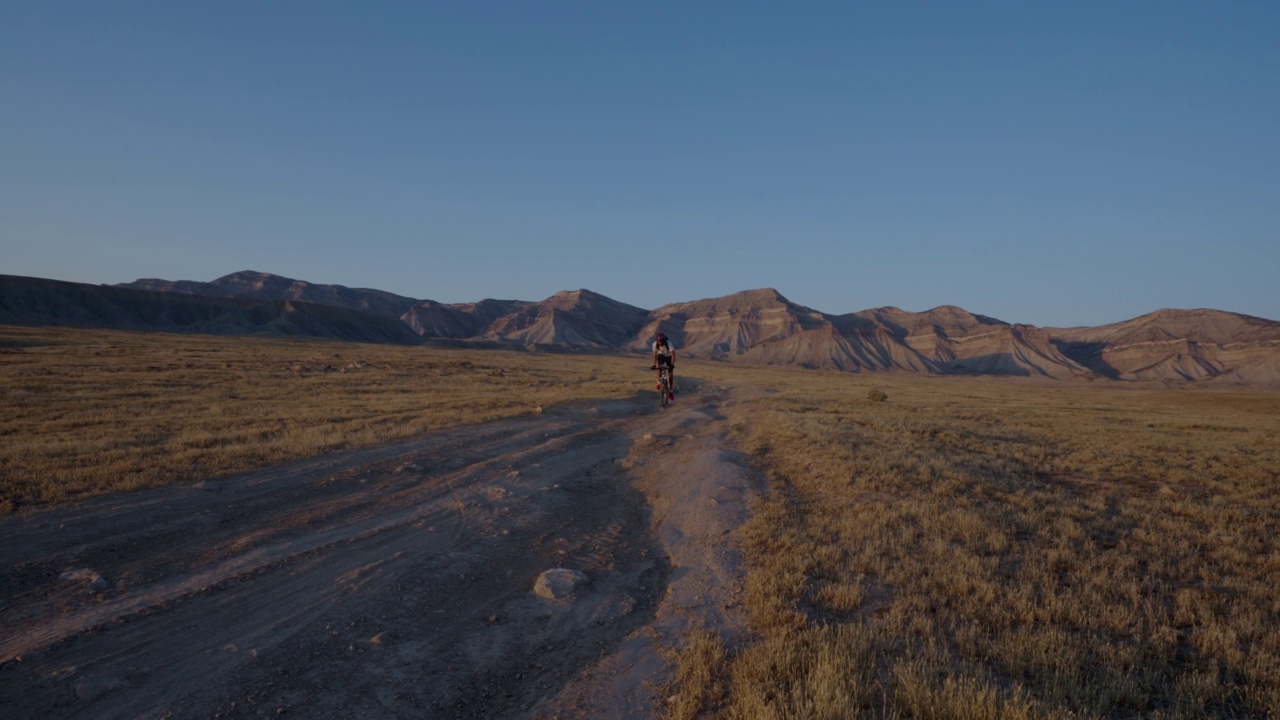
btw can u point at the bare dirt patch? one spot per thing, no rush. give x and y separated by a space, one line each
389 581
699 492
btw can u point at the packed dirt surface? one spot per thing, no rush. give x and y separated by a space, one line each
389 582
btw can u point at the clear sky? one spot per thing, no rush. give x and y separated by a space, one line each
1050 163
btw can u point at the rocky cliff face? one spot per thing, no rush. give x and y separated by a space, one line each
763 327
729 326
1010 350
1179 345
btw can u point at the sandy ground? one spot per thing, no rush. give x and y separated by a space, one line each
390 582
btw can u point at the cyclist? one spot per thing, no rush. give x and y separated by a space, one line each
664 355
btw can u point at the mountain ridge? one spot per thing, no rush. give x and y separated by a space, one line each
760 326
253 285
39 301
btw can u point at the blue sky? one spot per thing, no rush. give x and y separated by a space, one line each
1047 163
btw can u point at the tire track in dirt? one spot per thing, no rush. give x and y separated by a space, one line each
390 581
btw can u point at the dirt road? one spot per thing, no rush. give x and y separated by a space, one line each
389 582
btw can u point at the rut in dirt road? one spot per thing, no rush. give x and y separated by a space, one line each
386 582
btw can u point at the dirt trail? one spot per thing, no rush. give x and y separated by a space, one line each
389 582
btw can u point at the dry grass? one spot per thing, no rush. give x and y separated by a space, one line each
698 684
94 412
974 548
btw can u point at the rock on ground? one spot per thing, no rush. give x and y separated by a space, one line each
92 578
559 583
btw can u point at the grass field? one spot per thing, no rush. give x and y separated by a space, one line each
993 549
960 548
93 412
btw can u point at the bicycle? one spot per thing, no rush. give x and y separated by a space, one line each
664 385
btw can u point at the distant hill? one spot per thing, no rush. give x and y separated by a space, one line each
432 319
252 285
580 319
759 327
763 327
35 301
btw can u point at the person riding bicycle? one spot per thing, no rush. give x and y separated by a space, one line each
664 355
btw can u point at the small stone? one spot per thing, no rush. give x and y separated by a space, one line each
1167 490
559 583
92 688
94 580
379 639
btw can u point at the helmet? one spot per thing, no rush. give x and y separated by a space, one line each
661 336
